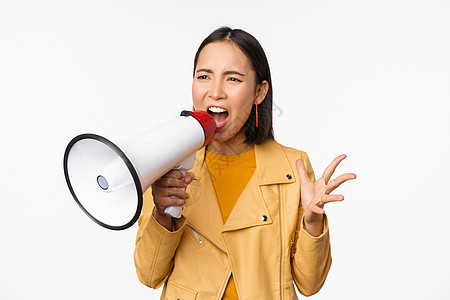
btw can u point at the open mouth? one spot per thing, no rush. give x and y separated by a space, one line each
219 114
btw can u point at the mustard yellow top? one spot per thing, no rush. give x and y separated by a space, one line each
230 174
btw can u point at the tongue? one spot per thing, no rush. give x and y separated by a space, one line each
220 117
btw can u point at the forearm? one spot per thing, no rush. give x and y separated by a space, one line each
312 260
154 252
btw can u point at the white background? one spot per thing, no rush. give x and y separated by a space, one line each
367 78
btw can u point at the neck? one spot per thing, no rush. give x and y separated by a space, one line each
234 145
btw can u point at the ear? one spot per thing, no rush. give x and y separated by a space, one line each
261 91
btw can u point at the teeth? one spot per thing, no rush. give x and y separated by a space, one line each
217 109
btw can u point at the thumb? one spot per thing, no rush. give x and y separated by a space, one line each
189 177
302 171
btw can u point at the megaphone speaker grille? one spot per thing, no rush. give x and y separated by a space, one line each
115 209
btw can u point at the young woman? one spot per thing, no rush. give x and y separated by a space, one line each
253 222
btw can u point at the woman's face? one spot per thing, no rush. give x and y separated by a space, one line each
225 86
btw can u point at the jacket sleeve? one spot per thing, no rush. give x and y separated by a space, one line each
155 246
311 259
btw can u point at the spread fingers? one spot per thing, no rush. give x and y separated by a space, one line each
333 184
329 198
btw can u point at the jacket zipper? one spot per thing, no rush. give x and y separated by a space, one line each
195 234
292 247
281 240
194 231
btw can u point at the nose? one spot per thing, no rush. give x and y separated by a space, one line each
217 91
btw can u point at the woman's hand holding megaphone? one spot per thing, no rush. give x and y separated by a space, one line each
169 190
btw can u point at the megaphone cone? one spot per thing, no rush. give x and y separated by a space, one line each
108 181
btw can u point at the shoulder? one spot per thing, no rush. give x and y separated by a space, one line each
291 154
274 161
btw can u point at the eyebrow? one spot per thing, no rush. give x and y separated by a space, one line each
225 73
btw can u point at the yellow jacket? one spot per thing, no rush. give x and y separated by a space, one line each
262 242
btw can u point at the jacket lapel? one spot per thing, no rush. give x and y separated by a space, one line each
272 164
252 207
202 209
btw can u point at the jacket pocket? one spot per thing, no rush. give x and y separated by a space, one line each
177 292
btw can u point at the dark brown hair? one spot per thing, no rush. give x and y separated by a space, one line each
255 53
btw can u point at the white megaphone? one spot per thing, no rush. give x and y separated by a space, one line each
108 181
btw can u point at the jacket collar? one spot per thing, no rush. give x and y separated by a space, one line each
272 164
251 209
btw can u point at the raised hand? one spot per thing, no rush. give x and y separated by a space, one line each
314 195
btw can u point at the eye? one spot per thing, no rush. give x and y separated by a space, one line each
234 79
203 77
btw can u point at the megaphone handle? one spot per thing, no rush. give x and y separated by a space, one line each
175 211
183 167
